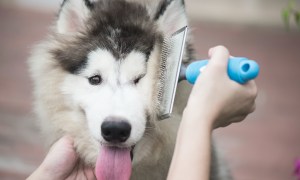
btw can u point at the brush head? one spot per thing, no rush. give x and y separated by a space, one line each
171 59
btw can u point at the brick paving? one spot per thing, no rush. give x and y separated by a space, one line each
264 147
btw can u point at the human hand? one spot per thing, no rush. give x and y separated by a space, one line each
62 163
215 98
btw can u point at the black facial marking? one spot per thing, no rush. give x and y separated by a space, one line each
131 153
183 3
122 27
137 79
89 4
72 55
118 26
63 3
61 7
162 8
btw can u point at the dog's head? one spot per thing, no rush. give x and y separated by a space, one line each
97 76
111 51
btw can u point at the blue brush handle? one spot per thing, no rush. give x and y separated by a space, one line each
240 69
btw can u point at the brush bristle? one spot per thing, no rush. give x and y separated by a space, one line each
171 58
165 52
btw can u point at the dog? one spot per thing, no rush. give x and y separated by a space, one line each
96 79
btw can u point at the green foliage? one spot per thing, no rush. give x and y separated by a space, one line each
290 12
297 18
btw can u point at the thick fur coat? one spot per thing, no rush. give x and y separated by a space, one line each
101 60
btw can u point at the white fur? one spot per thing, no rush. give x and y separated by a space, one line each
116 96
72 17
174 13
67 104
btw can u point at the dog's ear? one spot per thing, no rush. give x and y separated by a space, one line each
73 15
171 16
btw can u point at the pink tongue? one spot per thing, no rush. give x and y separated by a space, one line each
113 164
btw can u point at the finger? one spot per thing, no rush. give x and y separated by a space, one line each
239 118
250 84
61 159
80 174
219 57
61 147
89 173
211 51
73 174
251 89
236 120
65 140
253 108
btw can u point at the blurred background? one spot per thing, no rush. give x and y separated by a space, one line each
263 147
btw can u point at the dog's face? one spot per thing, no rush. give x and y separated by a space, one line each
109 52
110 79
114 95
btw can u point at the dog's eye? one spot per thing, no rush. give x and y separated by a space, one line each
95 80
137 80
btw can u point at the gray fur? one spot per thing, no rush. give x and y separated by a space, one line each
120 27
109 27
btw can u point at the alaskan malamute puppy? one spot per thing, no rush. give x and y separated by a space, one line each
96 79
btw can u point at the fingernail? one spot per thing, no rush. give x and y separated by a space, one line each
68 139
211 51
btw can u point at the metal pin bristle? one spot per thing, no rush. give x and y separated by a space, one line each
171 57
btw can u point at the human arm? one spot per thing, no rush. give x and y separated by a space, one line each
215 101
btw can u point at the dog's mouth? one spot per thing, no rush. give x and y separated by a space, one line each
131 152
114 163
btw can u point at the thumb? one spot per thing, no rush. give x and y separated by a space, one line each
61 159
219 56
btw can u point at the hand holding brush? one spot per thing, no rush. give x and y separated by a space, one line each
215 101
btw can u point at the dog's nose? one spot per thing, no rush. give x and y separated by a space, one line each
115 131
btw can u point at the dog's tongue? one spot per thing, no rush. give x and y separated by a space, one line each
113 164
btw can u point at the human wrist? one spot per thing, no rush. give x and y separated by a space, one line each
194 136
197 118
